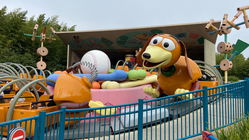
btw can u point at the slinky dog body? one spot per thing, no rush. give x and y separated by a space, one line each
177 74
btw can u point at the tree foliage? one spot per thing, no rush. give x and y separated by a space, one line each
18 48
240 67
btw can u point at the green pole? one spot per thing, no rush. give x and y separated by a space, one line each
225 40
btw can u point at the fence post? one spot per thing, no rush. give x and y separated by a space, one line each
37 121
246 98
205 108
140 119
41 125
62 123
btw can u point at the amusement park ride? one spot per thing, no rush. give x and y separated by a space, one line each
25 90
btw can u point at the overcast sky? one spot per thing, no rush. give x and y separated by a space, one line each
111 14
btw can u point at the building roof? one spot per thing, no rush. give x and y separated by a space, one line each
192 34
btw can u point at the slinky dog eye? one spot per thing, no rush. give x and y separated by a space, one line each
156 40
168 44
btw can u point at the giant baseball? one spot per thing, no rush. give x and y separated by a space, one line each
97 58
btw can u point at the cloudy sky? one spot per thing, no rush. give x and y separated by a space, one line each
112 14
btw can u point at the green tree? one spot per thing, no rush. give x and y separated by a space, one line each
238 63
244 69
15 47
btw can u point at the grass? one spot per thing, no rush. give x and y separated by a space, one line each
238 131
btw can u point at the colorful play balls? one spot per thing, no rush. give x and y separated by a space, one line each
136 74
95 85
97 59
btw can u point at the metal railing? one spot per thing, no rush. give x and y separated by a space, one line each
166 118
30 125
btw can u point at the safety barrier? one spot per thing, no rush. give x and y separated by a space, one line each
167 118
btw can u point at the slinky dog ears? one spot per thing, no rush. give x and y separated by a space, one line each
181 44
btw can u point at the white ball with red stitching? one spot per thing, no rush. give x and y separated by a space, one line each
97 58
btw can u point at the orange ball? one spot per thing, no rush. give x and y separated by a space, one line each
95 85
153 73
148 74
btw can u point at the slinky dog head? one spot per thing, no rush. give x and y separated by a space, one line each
162 50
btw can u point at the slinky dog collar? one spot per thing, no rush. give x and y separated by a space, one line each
168 71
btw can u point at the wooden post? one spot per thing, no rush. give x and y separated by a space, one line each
234 18
34 32
226 76
210 26
243 9
223 28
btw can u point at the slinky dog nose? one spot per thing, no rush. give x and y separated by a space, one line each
146 55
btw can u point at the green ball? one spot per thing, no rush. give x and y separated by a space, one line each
132 75
136 74
141 74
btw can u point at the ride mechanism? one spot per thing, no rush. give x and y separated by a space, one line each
226 47
42 51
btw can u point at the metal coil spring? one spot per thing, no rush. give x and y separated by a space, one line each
89 65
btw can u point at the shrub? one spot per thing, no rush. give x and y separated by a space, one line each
238 131
233 78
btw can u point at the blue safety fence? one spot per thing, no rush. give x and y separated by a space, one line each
28 124
179 116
